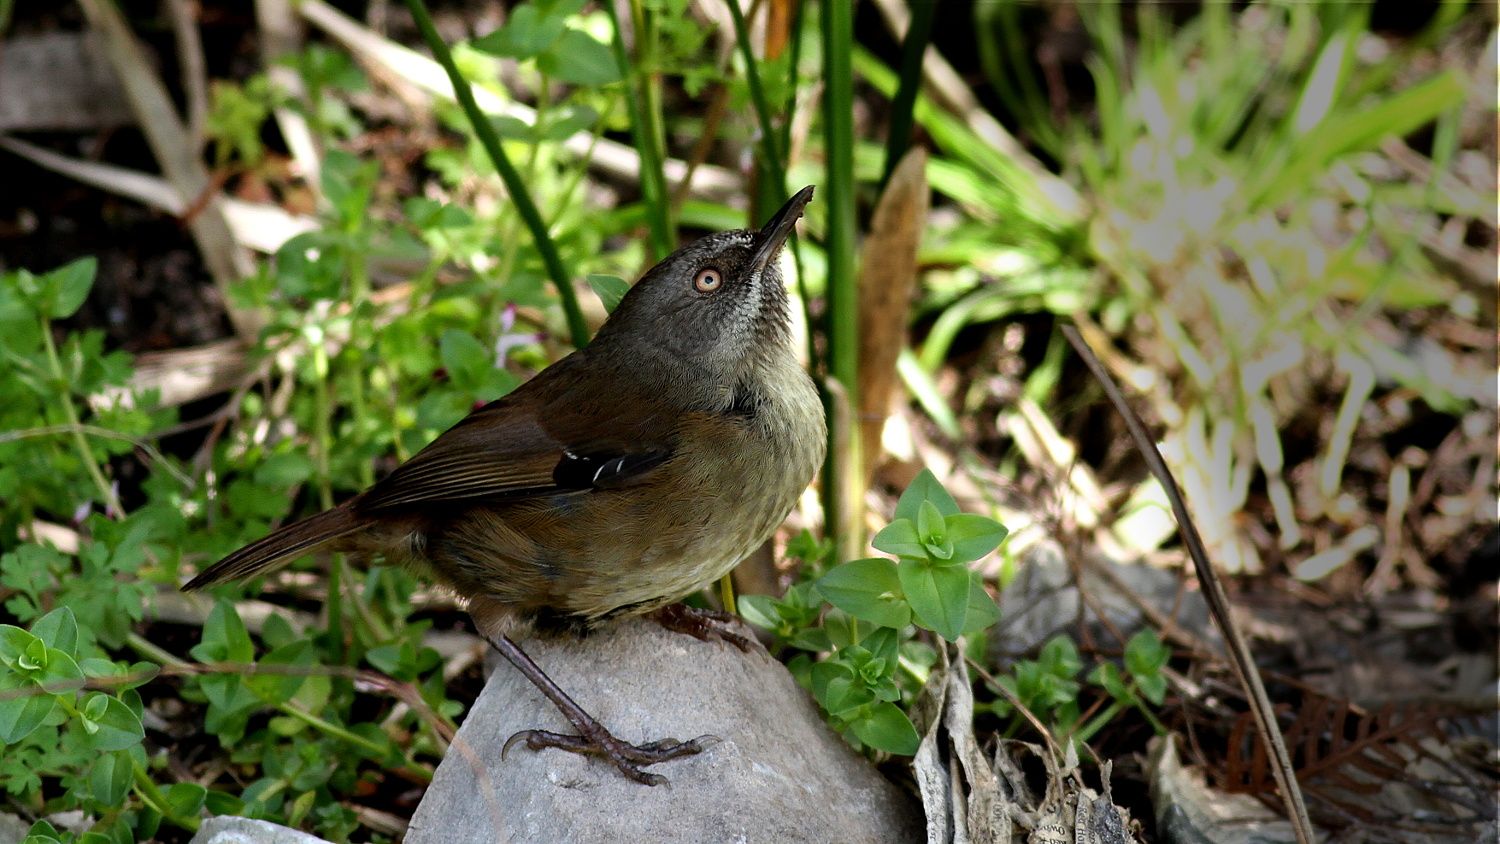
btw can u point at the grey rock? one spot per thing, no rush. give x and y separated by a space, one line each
778 775
1043 600
12 829
227 830
59 82
1190 811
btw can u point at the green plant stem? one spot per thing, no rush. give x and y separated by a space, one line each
147 789
654 195
331 729
771 188
726 594
643 19
543 113
152 796
313 88
323 436
790 107
70 413
570 187
768 135
359 294
104 434
841 500
154 652
519 196
1085 733
322 409
794 45
913 49
1156 724
151 650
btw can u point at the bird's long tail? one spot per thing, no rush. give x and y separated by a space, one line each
279 548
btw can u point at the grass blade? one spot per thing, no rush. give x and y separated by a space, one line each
913 48
645 126
490 139
842 488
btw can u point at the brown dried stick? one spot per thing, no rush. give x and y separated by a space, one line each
1213 591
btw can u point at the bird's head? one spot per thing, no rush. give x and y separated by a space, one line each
717 303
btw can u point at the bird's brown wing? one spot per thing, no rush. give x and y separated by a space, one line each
565 436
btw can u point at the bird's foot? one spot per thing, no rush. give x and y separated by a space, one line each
704 625
628 758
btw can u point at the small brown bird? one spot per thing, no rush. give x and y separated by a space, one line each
616 481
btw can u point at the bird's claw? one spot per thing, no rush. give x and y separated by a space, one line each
629 759
703 625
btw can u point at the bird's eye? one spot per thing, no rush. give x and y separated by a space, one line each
708 280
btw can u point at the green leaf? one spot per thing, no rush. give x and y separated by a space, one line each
527 33
114 726
94 667
930 523
276 631
465 358
814 639
925 487
565 121
808 548
843 695
59 629
867 589
428 214
939 596
900 538
61 674
69 287
42 832
823 674
139 674
1059 657
840 627
34 658
224 637
610 290
1145 653
561 8
884 644
387 658
579 59
932 528
982 611
185 799
94 708
109 777
973 536
1153 687
23 708
759 610
1108 676
1323 85
348 182
283 471
1349 129
220 803
275 687
13 643
887 728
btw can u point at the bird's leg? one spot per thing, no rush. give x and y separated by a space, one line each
704 625
592 738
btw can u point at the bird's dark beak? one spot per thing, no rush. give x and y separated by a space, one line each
773 234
